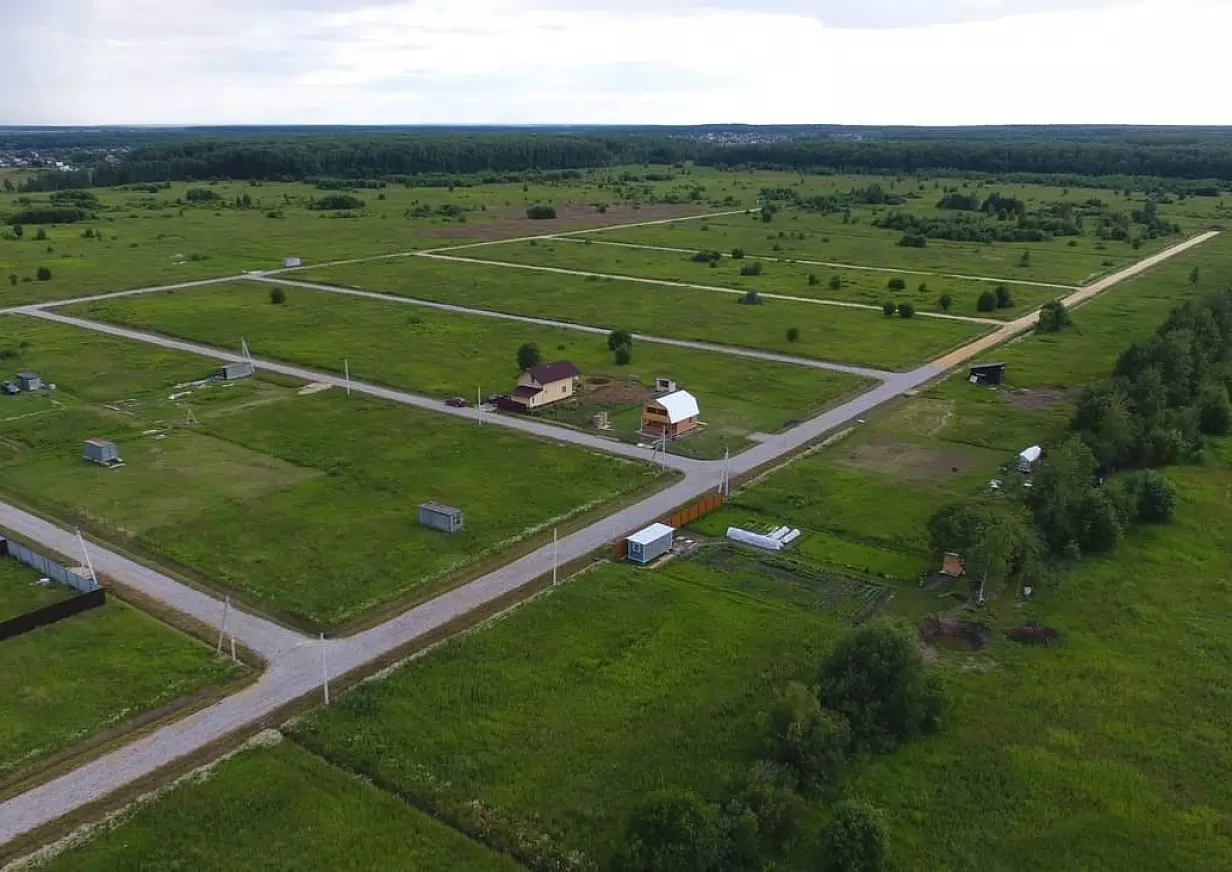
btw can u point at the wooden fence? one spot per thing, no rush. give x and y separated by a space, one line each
686 516
704 506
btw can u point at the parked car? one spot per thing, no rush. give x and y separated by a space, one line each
458 402
9 388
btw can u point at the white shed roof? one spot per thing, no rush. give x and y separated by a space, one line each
680 406
653 533
1031 454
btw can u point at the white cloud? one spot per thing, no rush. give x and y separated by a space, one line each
599 61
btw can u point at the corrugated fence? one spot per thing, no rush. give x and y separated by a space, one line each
48 567
52 613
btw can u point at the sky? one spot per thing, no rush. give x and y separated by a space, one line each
929 62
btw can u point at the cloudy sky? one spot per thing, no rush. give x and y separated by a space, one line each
615 61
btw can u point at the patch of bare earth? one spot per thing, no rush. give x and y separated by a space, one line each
512 223
909 461
1041 398
600 391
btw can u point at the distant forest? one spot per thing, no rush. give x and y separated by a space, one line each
1195 155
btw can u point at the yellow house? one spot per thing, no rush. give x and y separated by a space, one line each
544 385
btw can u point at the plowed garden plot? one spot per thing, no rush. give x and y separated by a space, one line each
511 222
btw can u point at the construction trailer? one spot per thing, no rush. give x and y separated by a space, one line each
292 262
438 516
236 370
102 452
29 381
648 545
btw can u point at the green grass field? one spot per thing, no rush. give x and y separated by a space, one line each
277 808
870 287
65 682
445 354
142 239
20 591
639 679
306 504
826 332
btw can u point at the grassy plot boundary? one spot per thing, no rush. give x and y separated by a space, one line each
99 743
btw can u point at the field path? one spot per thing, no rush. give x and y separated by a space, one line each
566 237
667 283
732 350
1080 296
296 662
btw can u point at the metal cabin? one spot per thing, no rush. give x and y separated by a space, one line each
991 374
236 370
440 517
29 381
101 451
651 543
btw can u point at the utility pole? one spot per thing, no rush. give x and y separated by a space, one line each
222 630
324 670
85 554
554 557
346 367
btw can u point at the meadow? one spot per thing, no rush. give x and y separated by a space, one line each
1109 750
65 682
825 332
806 236
141 238
277 808
778 275
302 504
639 680
447 354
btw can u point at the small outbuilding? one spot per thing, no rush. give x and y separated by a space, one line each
651 543
102 452
438 516
989 374
1029 459
292 262
236 370
665 385
29 381
953 565
674 415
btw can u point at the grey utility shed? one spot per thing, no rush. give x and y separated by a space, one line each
101 451
440 517
29 381
232 371
653 542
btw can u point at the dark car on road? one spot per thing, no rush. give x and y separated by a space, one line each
458 402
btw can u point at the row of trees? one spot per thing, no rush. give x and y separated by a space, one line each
873 694
451 155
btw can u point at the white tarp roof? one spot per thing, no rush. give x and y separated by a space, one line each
1031 454
680 406
651 534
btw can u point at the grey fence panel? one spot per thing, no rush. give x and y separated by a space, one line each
50 568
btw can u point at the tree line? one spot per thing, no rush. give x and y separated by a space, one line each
1166 398
374 155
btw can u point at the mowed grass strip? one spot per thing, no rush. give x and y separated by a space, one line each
826 332
779 275
566 713
307 503
445 354
62 683
277 808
